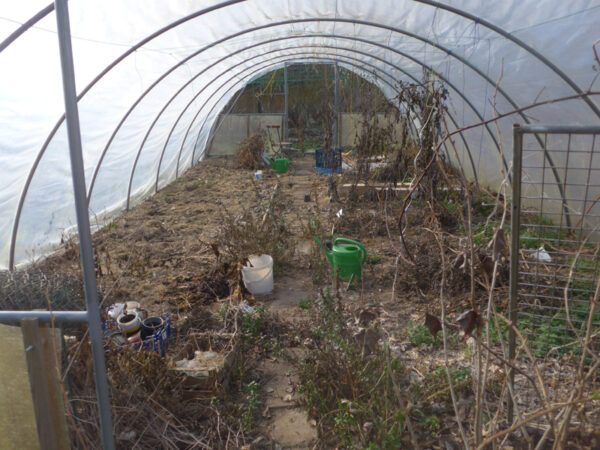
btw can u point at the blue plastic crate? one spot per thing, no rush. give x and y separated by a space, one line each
328 162
155 343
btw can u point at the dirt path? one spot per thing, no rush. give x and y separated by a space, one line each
284 419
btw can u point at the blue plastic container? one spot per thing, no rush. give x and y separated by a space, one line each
328 162
155 343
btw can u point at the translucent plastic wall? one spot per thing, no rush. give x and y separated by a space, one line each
153 76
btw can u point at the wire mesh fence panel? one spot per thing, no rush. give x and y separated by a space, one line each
555 255
30 289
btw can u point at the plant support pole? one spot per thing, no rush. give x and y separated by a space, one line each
286 93
83 222
335 106
515 224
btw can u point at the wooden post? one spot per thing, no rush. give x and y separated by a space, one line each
46 390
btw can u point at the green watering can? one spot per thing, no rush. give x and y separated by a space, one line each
346 256
280 164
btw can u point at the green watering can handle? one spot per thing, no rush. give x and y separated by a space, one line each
351 242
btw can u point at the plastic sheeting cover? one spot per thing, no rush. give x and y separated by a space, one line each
149 117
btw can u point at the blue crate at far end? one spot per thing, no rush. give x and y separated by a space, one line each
328 162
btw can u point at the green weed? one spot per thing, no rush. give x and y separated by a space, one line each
539 230
374 259
346 389
110 227
418 335
305 304
193 185
482 233
554 332
252 391
431 423
253 323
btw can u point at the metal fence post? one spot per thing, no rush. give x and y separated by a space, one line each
515 224
83 222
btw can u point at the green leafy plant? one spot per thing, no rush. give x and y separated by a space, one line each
482 233
431 423
305 304
252 391
418 335
193 185
253 323
110 227
539 230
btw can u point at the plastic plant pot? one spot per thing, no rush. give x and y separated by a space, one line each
152 325
129 323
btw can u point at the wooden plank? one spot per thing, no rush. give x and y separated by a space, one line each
18 430
48 413
51 348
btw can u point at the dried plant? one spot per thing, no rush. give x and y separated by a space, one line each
250 151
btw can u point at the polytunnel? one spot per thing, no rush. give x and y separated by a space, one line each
152 79
140 138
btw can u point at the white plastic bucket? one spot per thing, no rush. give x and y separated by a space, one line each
258 275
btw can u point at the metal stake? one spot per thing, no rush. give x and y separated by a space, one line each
515 224
83 222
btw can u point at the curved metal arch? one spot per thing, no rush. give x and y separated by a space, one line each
26 26
397 30
462 13
465 99
227 4
11 263
517 41
310 56
281 49
400 31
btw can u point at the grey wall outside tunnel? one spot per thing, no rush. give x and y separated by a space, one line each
307 85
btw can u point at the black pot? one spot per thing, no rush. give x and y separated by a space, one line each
152 325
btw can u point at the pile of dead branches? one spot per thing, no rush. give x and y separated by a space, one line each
250 151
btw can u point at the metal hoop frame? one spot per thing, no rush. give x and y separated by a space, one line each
178 22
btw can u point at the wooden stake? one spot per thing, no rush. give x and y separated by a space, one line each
45 387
